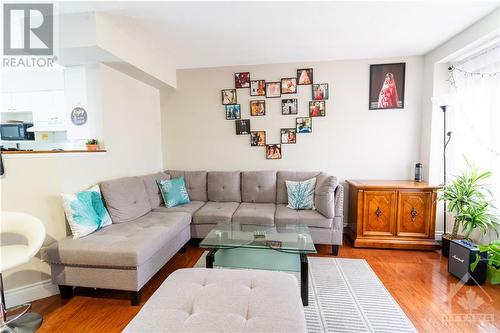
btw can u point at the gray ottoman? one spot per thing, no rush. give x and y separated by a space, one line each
220 300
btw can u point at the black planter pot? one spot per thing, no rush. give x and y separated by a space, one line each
445 245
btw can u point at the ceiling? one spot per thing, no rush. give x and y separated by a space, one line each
210 34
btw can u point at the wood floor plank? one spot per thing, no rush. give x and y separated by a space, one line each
418 281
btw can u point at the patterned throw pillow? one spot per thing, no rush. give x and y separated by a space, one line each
301 194
85 212
174 192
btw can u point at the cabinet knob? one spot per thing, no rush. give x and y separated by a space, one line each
413 214
378 212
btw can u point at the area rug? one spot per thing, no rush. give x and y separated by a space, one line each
345 295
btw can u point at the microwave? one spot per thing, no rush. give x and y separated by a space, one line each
16 132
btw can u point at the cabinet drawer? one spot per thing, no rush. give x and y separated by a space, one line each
379 213
414 214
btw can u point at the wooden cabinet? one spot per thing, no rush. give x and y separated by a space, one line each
392 214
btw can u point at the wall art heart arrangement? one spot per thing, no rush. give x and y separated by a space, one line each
289 106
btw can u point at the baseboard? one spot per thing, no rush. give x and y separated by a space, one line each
30 292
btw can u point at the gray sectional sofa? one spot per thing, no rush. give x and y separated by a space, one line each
145 234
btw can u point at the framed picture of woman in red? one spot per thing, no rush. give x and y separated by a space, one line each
387 86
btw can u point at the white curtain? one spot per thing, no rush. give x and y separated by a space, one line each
476 116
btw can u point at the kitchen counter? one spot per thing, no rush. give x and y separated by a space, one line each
30 154
14 152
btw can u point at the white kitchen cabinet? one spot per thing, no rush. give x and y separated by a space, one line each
49 107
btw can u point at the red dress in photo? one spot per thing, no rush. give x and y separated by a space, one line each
388 97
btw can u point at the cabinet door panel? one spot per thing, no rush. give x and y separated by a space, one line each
414 214
379 213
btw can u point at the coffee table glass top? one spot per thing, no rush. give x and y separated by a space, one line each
294 238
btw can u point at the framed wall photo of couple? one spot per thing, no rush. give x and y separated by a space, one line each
229 96
288 135
289 85
289 106
273 89
258 108
257 138
233 111
305 76
317 108
304 124
257 88
242 126
273 152
242 80
320 91
387 86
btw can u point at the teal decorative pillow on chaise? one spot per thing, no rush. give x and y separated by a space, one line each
174 192
301 194
85 212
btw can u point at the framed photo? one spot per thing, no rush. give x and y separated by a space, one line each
305 76
387 86
242 126
304 125
289 85
233 111
273 152
257 88
289 106
273 89
258 108
288 135
317 108
242 80
229 96
320 91
257 138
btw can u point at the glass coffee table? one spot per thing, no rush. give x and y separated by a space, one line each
277 248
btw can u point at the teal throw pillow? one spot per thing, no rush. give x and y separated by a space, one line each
301 194
85 212
174 192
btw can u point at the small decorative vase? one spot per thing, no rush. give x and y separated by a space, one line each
92 147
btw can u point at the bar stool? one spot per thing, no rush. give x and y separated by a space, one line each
15 255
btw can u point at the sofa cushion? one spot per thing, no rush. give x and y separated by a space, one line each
223 300
324 195
224 186
215 212
154 195
258 186
174 192
282 176
255 213
196 183
85 212
120 245
189 208
301 194
311 218
126 198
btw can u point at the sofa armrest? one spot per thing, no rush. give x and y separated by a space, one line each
339 201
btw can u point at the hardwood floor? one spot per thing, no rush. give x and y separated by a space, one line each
418 280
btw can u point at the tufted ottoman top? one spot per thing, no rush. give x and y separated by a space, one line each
223 300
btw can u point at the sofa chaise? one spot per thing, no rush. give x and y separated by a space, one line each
145 234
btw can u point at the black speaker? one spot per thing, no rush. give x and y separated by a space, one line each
462 254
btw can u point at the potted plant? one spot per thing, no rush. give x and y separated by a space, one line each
469 199
92 144
492 261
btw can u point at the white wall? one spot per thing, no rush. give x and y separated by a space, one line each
350 142
131 123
